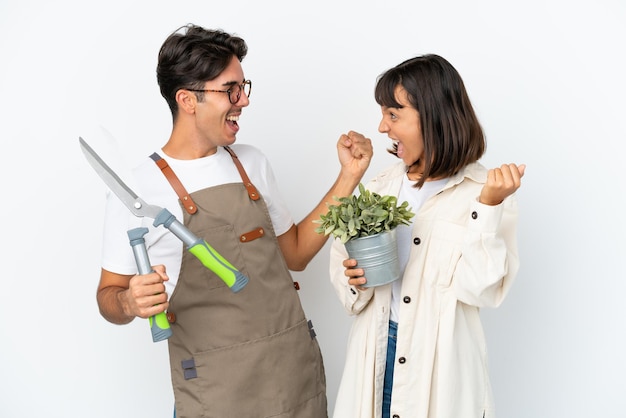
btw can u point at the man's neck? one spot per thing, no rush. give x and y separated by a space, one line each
188 146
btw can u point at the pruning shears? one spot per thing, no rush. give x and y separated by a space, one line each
209 257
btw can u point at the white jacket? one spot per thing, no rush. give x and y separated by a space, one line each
463 257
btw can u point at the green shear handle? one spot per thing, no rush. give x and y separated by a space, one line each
211 259
159 325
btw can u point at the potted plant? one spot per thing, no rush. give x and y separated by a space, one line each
365 224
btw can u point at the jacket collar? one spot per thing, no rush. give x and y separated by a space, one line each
393 175
474 172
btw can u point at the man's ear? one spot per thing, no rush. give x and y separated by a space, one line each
186 101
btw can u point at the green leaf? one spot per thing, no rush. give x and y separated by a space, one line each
365 214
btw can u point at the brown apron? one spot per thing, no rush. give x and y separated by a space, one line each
247 354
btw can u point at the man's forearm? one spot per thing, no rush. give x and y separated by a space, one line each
112 305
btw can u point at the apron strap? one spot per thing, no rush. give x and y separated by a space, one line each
252 192
180 190
185 198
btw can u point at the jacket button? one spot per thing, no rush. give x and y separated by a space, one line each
407 299
402 360
417 241
474 215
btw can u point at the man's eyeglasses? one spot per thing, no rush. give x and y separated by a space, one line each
234 93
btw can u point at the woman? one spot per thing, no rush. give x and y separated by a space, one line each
417 348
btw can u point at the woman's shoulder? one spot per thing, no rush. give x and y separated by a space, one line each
474 171
390 172
387 180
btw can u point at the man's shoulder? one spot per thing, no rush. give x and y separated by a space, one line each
145 165
250 156
246 150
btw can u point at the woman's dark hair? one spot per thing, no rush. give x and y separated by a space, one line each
188 60
453 137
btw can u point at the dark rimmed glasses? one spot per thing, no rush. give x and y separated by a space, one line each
234 93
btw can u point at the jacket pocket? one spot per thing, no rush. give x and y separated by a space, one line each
444 252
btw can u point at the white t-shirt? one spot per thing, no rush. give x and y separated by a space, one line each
416 198
151 185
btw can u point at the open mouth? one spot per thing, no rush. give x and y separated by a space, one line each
399 148
232 120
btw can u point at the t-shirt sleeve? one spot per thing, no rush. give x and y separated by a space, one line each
279 212
262 176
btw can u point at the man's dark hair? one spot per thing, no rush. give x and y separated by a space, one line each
453 137
189 59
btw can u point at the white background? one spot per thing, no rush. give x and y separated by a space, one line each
547 81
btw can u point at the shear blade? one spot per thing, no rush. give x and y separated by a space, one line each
130 199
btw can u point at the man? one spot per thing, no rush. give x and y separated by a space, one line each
245 354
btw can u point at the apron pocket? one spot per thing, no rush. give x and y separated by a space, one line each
227 248
261 378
